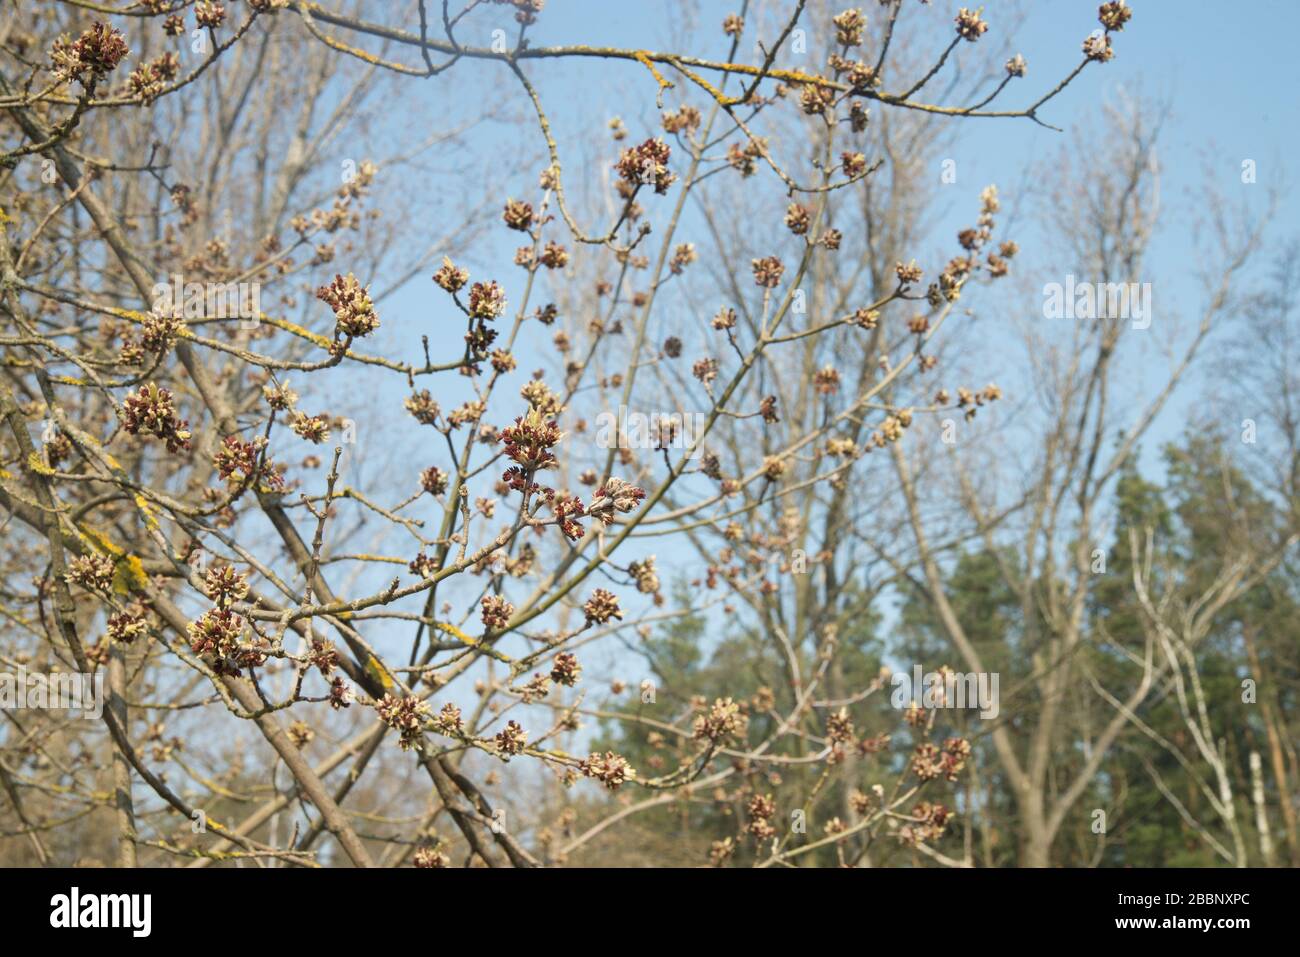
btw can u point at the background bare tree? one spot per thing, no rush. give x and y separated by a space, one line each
363 591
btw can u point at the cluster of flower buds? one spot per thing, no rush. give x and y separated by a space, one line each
90 57
209 14
554 256
423 407
487 300
568 509
761 809
705 369
430 857
609 769
301 734
646 165
685 120
511 739
528 443
225 585
433 480
354 312
797 218
891 429
340 696
496 611
93 572
450 277
518 215
467 413
313 428
1112 16
827 380
928 824
969 25
279 397
839 727
768 271
323 656
406 716
645 574
1096 47
152 410
929 762
615 495
724 719
956 752
129 625
215 635
860 801
159 331
57 448
849 26
566 670
908 275
601 607
541 397
448 721
423 564
744 159
817 99
148 81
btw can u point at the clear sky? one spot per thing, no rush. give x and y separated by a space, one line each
1225 71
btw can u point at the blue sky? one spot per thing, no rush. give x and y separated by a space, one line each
1225 72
